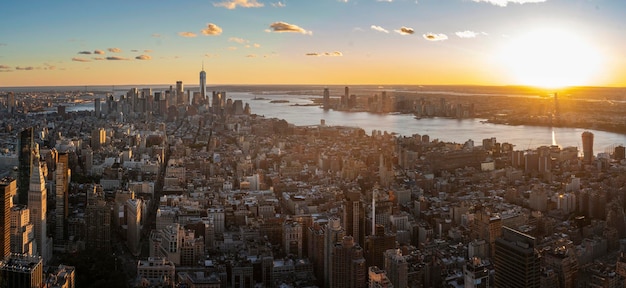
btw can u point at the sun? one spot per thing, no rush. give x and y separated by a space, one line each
551 58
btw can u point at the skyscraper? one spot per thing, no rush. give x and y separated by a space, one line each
22 237
587 147
21 270
203 83
37 203
7 190
348 264
26 145
326 99
62 176
517 263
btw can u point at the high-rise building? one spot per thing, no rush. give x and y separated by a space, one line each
158 271
26 145
203 84
98 225
132 212
97 107
333 234
180 93
8 188
98 137
397 268
37 203
22 233
21 270
62 177
377 244
353 216
476 273
292 235
326 99
348 264
587 147
517 262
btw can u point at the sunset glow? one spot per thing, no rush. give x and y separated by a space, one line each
480 42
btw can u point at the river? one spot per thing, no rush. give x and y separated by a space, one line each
444 129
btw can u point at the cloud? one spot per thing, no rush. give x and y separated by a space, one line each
435 37
100 52
256 45
231 48
78 59
405 31
237 40
4 67
212 29
187 34
241 3
504 3
279 4
134 50
99 58
3 44
281 27
389 1
85 52
156 35
116 58
466 34
49 67
147 51
251 56
25 68
143 57
115 50
331 54
379 29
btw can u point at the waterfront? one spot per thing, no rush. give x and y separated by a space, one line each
298 111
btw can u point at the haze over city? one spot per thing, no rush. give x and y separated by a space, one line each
550 43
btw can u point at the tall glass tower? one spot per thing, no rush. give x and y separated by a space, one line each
203 83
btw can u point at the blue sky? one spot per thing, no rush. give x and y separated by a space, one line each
321 42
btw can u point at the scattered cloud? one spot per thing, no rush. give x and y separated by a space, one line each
279 4
143 57
256 45
100 52
85 52
3 44
281 27
116 58
134 50
25 68
78 59
379 29
147 51
251 56
466 34
212 29
405 31
115 50
237 40
187 34
435 37
504 3
208 55
331 54
241 3
4 67
99 58
156 35
232 48
389 1
47 66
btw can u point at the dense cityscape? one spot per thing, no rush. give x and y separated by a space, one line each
184 188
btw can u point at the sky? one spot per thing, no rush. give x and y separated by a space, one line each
548 43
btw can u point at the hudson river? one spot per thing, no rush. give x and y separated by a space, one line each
444 129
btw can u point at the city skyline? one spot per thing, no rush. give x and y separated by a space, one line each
548 43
